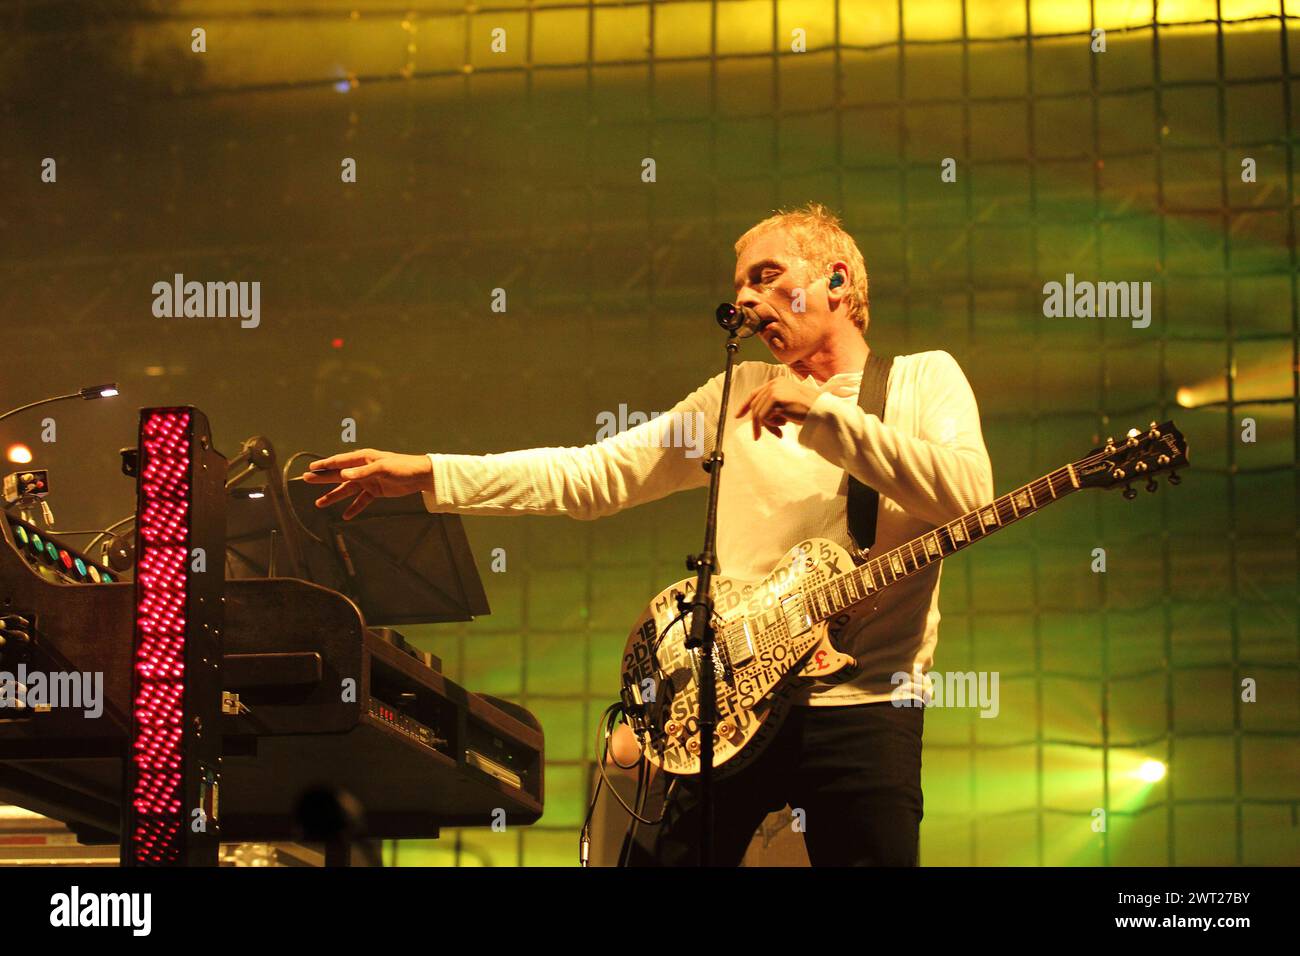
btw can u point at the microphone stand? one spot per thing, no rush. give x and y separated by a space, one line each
704 565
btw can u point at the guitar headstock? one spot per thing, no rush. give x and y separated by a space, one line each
1140 454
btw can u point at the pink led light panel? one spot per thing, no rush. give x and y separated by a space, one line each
161 574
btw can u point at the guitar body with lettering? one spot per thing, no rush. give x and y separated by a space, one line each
762 634
772 633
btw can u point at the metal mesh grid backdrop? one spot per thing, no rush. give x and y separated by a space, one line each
522 170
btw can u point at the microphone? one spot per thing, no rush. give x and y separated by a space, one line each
740 319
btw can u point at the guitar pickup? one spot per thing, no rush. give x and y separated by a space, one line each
796 616
740 644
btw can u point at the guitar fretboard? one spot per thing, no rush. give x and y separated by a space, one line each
845 590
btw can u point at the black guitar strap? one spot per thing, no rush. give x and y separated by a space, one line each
863 501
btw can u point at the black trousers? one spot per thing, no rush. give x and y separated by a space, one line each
854 772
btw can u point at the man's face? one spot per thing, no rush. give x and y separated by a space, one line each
768 272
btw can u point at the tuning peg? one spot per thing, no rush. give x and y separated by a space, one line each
1130 493
1154 431
1174 478
1152 484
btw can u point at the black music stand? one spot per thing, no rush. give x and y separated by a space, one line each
256 539
262 540
398 562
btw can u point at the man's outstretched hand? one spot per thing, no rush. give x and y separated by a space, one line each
368 474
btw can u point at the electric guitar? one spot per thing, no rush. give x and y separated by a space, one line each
772 633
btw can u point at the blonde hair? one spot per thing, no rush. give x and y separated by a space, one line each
819 240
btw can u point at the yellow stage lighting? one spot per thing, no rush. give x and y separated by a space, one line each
19 454
1151 771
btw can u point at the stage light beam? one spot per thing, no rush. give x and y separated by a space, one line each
1151 771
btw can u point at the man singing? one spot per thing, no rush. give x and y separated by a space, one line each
848 756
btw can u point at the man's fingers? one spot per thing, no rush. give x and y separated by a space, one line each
327 477
361 471
757 416
344 459
750 401
358 505
345 490
342 468
758 405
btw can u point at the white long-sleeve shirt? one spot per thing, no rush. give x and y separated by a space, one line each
927 460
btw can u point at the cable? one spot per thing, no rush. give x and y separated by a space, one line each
611 714
608 720
604 728
284 486
288 462
584 836
109 530
642 793
644 787
61 533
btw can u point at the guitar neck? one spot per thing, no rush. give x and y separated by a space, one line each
827 600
